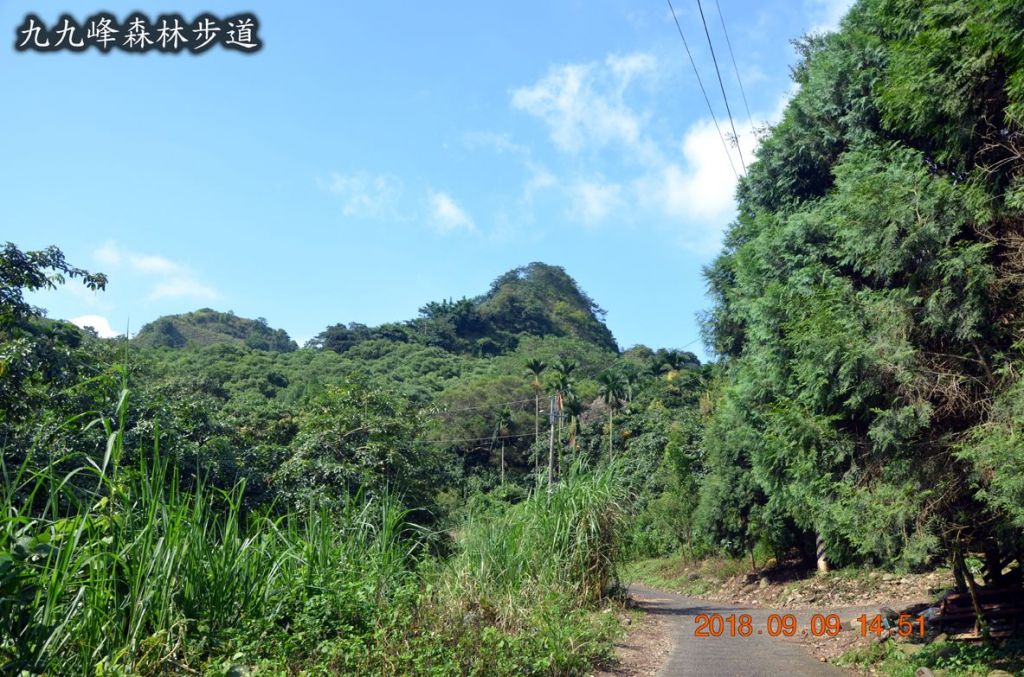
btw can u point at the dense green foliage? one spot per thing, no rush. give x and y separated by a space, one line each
40 361
952 658
130 574
867 301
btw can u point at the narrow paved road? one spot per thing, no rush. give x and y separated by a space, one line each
755 656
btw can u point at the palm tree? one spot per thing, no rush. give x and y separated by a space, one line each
656 368
561 386
573 411
564 366
676 360
611 392
630 380
535 368
504 429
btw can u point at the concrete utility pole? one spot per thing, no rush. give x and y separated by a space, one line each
819 550
551 443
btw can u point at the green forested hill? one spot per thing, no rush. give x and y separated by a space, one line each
211 490
208 327
534 300
197 501
232 397
463 362
543 300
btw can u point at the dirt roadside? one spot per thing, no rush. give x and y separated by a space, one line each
646 646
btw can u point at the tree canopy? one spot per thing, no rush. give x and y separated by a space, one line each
867 298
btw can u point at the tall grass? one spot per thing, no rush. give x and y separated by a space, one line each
566 539
535 569
112 566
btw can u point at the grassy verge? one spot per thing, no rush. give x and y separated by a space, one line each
106 569
681 575
944 659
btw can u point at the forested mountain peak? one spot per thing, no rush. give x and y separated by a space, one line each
207 326
542 299
536 300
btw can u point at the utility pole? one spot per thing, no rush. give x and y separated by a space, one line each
551 443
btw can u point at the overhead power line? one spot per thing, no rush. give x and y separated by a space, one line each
721 85
703 91
483 406
691 342
735 68
489 438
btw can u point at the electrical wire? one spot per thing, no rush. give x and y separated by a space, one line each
735 68
703 91
691 343
721 85
493 438
489 438
483 406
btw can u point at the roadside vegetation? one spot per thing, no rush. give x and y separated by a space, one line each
110 568
943 659
686 577
163 510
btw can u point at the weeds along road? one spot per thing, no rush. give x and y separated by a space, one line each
733 656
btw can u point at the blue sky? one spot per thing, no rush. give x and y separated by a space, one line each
373 157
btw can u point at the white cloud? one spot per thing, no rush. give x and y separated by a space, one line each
148 263
700 187
753 74
689 189
630 66
182 287
86 296
97 322
695 189
172 279
447 215
498 141
376 196
364 194
540 179
826 14
584 105
593 201
108 254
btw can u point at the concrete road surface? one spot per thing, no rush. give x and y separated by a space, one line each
733 656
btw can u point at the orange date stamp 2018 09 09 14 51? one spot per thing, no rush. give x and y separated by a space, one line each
786 625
